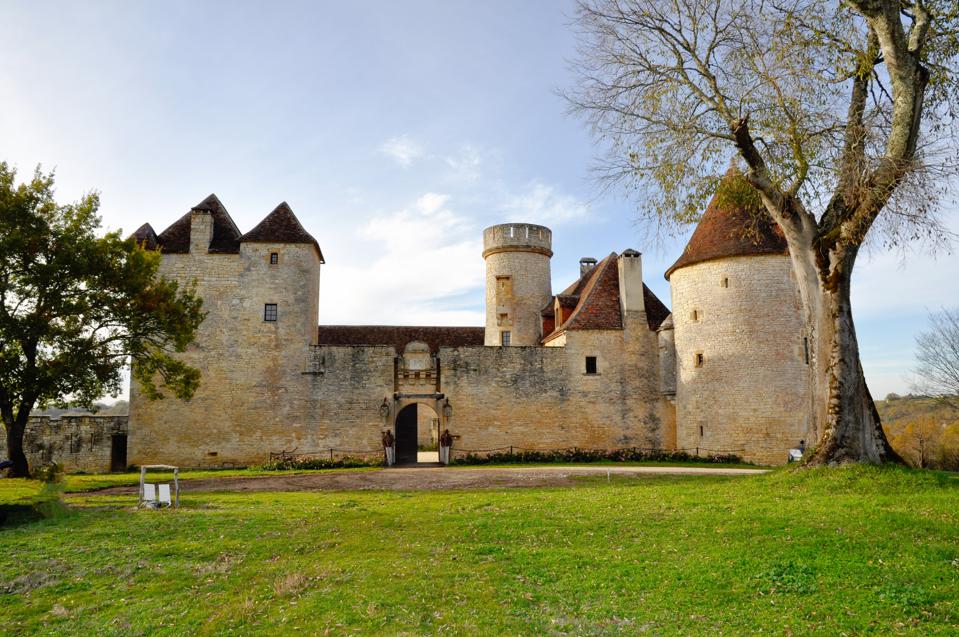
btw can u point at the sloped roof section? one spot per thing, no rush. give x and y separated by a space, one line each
281 226
399 335
226 236
656 311
146 237
597 304
731 230
599 307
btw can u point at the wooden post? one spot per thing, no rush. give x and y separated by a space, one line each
143 473
176 486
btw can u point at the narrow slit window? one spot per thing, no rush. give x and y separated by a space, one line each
700 431
274 258
699 359
805 348
590 364
269 312
505 338
696 315
725 282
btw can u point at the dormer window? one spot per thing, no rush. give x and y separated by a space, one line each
274 258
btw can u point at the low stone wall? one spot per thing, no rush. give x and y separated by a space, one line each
77 443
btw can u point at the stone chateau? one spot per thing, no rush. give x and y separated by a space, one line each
601 364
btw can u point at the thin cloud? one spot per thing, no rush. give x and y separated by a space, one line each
542 203
418 260
402 149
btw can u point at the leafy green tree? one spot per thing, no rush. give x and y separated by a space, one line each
842 114
77 306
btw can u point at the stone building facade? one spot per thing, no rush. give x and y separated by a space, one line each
602 364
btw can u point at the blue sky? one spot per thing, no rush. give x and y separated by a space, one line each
395 130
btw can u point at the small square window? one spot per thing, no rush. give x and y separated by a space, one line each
699 359
274 258
505 338
590 364
269 312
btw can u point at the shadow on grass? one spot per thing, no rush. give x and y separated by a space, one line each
47 504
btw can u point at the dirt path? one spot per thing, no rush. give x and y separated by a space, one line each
431 478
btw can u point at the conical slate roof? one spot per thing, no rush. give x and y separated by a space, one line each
226 236
281 226
730 229
146 237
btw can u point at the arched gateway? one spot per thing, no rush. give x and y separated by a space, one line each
417 426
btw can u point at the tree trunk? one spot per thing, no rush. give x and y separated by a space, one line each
848 427
15 430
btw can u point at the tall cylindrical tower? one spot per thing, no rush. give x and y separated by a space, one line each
741 353
517 282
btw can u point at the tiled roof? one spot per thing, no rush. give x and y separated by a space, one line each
597 301
598 307
281 226
399 335
226 236
731 230
656 311
146 237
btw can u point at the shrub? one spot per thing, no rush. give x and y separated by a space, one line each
631 454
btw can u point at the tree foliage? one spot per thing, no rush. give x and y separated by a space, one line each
668 85
77 306
938 357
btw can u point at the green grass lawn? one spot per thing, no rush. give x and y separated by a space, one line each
854 550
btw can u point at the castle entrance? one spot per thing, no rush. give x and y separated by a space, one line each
417 430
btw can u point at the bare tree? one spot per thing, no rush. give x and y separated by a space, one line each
841 113
938 355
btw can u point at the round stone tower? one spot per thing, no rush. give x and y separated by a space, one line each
517 282
741 354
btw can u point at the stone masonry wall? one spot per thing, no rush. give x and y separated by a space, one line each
748 394
542 398
76 443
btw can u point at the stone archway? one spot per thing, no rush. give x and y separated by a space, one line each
415 423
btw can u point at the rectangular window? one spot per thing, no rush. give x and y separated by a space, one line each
590 364
504 338
269 312
274 258
700 359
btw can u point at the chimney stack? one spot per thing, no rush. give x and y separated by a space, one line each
586 264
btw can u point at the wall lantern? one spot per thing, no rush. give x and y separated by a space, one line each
385 408
448 409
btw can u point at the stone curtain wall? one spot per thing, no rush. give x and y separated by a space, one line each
749 394
76 443
542 398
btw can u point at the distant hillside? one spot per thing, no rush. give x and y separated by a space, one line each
923 430
119 408
895 411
